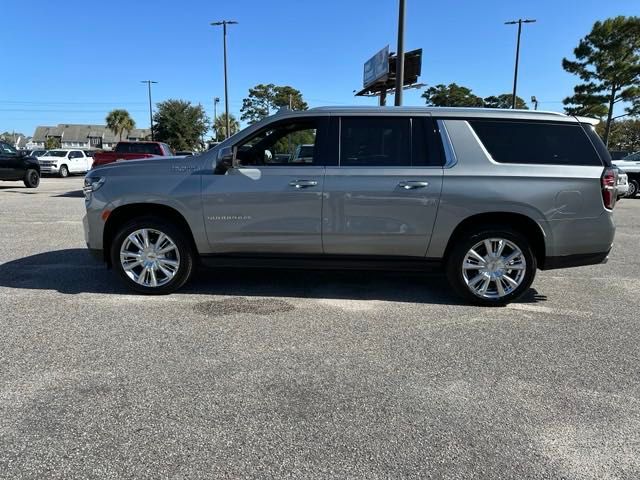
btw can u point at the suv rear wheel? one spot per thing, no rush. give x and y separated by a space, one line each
492 266
152 256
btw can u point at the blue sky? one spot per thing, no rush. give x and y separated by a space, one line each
73 61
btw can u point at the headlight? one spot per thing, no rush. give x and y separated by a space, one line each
91 184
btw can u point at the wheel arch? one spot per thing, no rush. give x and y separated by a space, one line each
125 213
518 221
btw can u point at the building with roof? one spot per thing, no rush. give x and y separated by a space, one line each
88 137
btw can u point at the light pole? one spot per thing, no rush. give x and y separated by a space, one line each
515 74
400 55
224 24
216 101
149 82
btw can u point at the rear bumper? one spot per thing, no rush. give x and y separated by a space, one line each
579 260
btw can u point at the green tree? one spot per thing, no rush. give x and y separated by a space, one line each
10 137
607 60
119 121
504 101
266 99
220 126
52 142
452 95
180 124
623 135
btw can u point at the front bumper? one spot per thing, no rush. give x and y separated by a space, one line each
93 227
49 169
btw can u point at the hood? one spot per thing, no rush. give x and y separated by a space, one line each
153 166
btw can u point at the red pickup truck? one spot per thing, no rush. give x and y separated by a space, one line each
132 151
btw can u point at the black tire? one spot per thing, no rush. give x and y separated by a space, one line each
31 178
463 245
634 188
180 239
63 172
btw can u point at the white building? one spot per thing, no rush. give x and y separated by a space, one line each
88 137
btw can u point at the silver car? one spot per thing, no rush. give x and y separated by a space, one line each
489 196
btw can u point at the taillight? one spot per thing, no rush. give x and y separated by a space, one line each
608 181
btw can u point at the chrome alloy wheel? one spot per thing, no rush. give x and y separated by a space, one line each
149 257
494 268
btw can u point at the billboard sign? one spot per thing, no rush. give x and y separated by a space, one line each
376 68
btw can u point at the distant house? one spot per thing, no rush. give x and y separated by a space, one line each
87 137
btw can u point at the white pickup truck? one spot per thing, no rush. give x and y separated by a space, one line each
64 162
631 166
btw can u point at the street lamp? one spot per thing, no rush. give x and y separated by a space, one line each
216 101
400 55
534 100
519 22
149 82
224 24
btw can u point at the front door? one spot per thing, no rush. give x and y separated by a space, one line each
271 201
383 196
10 163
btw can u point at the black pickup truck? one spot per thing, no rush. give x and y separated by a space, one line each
15 165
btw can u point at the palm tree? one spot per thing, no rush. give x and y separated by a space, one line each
220 126
118 121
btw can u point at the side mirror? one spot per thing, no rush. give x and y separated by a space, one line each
226 159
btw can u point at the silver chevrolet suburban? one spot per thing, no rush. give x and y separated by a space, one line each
488 195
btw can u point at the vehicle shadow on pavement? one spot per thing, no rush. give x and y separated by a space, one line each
71 194
74 271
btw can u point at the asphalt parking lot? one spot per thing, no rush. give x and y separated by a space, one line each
307 374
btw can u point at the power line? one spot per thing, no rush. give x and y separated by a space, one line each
46 102
39 110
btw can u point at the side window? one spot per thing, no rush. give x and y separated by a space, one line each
7 149
536 142
375 142
426 146
286 143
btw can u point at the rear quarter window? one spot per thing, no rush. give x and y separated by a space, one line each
536 142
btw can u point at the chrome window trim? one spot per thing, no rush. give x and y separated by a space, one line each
450 154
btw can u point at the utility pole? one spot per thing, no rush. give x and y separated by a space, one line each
224 24
515 75
400 55
216 100
149 82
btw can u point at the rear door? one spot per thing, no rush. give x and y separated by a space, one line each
270 202
382 196
79 161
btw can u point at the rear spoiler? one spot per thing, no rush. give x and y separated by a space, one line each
589 120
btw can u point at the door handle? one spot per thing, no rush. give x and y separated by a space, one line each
411 184
303 183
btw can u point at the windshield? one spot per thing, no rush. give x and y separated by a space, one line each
55 153
634 157
38 153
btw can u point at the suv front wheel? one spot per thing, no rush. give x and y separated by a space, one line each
492 266
152 256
